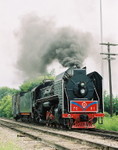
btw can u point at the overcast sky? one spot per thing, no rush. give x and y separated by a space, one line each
82 15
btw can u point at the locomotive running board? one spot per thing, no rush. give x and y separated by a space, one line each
49 98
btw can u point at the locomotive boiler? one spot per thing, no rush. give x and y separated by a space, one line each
73 100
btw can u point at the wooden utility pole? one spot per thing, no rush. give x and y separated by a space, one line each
109 58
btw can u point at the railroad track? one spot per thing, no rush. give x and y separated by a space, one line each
58 139
102 133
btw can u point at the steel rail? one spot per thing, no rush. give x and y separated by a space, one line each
18 126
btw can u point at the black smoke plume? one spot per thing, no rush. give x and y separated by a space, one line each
41 42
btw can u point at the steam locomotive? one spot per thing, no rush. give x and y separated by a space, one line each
72 100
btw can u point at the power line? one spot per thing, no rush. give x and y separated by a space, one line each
109 58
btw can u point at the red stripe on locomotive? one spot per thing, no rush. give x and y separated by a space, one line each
83 106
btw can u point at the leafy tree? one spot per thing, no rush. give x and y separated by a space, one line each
6 101
6 106
31 83
7 91
107 103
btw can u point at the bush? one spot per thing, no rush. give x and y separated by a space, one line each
109 124
107 114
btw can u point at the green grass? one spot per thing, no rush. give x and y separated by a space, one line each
109 123
8 146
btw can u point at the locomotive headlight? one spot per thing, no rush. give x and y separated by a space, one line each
82 84
82 91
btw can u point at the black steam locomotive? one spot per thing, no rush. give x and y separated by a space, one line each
73 99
